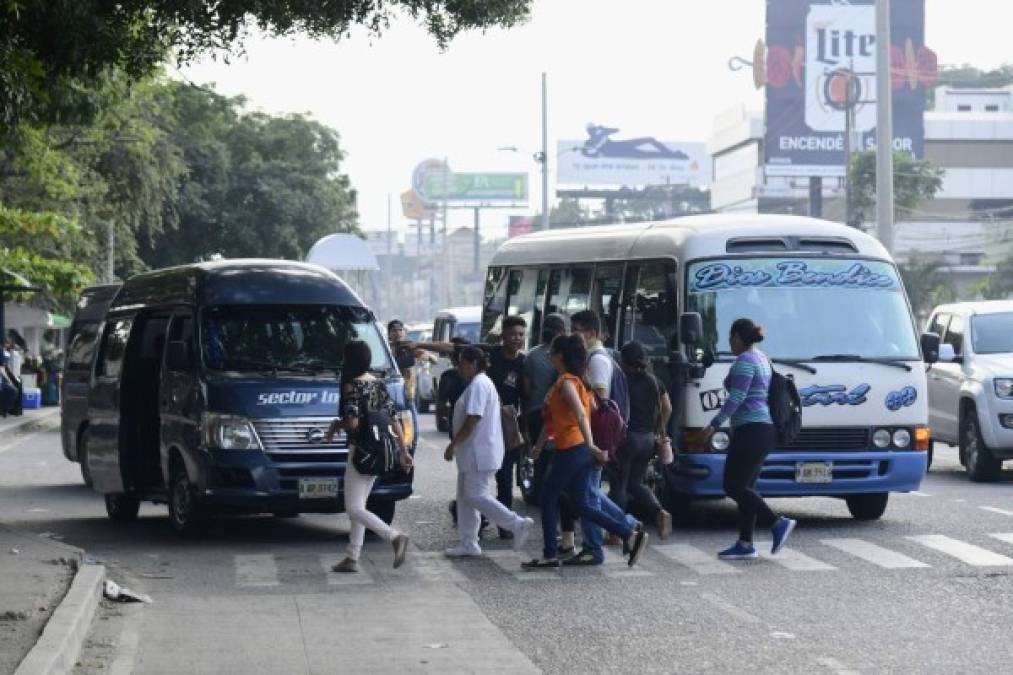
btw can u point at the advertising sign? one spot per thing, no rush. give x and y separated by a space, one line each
601 159
434 182
821 57
414 208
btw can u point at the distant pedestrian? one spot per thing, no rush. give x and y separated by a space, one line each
478 449
404 356
650 409
575 458
8 390
361 393
753 438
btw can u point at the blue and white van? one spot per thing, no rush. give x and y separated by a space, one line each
836 317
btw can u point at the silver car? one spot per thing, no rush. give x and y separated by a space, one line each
971 386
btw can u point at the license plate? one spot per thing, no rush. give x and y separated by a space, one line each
318 488
814 472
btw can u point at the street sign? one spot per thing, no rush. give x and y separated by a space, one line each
414 207
434 182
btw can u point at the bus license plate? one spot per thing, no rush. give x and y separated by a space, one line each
814 472
318 488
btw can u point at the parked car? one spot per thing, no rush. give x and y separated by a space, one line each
463 322
425 383
971 386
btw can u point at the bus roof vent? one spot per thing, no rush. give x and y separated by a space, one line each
769 244
755 244
827 245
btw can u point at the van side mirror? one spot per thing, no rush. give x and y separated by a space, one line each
691 329
178 356
930 347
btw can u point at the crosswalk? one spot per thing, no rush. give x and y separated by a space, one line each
820 556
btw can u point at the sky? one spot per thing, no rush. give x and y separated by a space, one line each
649 67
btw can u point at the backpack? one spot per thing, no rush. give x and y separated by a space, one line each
375 447
608 427
619 388
785 407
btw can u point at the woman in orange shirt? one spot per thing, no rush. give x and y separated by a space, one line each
569 403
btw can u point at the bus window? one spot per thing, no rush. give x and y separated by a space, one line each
579 291
535 331
522 295
608 282
655 314
554 299
494 303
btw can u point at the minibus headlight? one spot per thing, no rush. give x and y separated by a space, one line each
881 438
1003 387
720 441
901 438
229 432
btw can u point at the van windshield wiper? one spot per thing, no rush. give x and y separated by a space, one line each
795 363
864 359
261 366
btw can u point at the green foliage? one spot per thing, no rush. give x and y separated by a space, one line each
43 247
928 282
914 181
999 284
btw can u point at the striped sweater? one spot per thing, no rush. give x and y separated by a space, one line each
747 384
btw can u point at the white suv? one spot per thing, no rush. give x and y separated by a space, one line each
971 386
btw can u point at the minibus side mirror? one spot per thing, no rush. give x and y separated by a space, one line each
178 357
691 330
930 347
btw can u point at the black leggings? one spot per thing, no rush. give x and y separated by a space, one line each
751 443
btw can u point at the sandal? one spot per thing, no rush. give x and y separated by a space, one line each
582 559
541 564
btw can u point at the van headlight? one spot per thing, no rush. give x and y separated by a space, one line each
720 441
229 432
1003 387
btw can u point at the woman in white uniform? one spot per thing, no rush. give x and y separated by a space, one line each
478 448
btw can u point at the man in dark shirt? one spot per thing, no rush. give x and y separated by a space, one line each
506 370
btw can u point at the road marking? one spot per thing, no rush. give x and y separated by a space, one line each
993 509
877 555
836 666
130 639
617 567
433 566
256 571
800 562
695 559
968 553
919 493
729 608
360 578
1003 536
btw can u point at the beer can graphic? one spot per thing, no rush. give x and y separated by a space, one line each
840 66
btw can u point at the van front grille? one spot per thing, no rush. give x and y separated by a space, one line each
300 439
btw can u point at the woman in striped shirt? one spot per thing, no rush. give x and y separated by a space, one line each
753 438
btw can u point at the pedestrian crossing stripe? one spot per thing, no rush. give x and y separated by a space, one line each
697 560
256 571
800 562
961 550
873 553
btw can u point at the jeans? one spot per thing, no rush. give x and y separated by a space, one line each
474 499
505 477
571 473
357 489
593 539
626 478
751 443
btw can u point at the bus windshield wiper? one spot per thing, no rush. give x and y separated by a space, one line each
795 363
864 359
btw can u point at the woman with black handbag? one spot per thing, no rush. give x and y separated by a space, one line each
362 393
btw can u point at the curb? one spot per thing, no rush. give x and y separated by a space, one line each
59 646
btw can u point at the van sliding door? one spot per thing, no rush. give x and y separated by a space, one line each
104 409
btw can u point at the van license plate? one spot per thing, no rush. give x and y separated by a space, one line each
814 472
318 488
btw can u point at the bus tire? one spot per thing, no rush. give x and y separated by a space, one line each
122 508
981 466
188 517
867 506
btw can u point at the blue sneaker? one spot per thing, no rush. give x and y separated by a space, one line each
739 551
781 531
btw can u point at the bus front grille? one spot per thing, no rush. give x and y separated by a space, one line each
829 438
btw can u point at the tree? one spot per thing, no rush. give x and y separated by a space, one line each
999 284
914 181
928 282
53 53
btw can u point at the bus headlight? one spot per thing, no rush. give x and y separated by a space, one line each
881 438
229 432
720 441
901 438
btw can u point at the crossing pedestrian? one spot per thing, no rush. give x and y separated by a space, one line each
575 458
477 446
753 437
361 392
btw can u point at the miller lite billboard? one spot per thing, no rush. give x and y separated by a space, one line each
821 58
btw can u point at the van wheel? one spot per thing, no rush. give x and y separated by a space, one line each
122 508
981 466
82 458
186 514
867 507
384 510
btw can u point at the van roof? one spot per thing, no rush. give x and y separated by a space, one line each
237 282
467 314
978 307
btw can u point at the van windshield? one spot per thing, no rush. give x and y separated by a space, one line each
808 307
300 338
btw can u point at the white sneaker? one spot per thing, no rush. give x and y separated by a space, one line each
522 533
460 551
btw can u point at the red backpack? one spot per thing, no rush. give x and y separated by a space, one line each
607 426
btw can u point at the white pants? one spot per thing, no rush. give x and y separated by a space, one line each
474 496
357 489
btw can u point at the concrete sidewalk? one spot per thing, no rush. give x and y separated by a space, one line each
30 420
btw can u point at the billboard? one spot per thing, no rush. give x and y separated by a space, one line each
819 49
603 159
434 182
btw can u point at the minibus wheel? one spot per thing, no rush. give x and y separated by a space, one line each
186 514
82 457
122 508
384 510
867 507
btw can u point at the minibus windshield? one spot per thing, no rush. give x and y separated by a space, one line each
297 338
809 308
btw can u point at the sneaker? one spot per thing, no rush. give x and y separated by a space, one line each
781 531
505 534
583 559
346 566
739 551
664 523
522 533
400 545
638 544
462 552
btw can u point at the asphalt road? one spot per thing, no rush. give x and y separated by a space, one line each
928 588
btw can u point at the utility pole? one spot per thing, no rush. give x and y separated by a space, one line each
477 244
849 107
545 153
884 128
448 269
816 196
